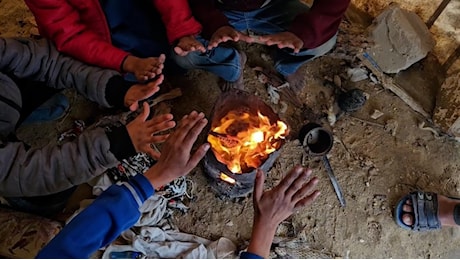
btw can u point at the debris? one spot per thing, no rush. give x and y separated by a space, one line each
273 94
376 114
400 39
391 126
337 81
351 100
265 57
331 116
75 131
366 121
229 224
357 74
436 133
374 78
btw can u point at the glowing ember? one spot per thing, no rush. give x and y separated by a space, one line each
243 141
227 178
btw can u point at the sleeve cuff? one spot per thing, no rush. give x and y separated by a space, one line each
115 91
248 255
120 143
143 187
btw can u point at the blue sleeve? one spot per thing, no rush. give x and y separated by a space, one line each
248 255
114 211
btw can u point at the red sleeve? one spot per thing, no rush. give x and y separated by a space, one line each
320 23
178 19
61 23
209 15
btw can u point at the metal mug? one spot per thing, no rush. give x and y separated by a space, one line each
316 140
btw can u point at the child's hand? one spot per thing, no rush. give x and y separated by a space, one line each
227 33
144 131
188 44
283 40
139 92
144 69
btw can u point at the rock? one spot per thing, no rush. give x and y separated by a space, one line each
376 114
357 74
400 39
337 81
447 110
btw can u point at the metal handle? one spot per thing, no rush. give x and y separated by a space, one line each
334 182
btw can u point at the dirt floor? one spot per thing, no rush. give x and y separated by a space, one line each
375 161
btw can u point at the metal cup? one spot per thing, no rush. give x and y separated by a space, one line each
316 140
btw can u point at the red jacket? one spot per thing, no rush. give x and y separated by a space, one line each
314 27
79 27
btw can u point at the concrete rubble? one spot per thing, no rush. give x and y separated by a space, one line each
447 111
400 39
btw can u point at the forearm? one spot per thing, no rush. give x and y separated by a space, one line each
51 169
116 210
261 239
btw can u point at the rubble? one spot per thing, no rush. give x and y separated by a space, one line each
400 39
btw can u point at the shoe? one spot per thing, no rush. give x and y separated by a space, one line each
53 109
425 211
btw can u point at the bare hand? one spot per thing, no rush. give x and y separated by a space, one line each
175 159
142 131
139 92
188 44
227 33
272 207
283 40
144 69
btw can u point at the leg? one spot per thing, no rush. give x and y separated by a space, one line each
224 62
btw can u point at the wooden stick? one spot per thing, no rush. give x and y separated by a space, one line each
166 96
436 13
452 58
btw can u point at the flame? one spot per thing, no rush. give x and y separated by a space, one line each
243 141
227 178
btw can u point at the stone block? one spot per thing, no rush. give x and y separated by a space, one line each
400 39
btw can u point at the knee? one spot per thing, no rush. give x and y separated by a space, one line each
189 61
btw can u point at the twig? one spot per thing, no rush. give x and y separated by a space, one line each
367 122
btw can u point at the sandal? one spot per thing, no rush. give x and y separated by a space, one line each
425 211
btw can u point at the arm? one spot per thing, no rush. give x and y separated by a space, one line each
209 15
118 208
272 207
61 22
319 24
40 61
51 169
177 18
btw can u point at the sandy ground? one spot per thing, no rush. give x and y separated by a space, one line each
375 161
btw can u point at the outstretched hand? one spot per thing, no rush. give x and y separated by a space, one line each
142 131
227 33
139 92
282 40
144 68
271 207
176 159
188 44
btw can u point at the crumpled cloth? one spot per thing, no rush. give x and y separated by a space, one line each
154 242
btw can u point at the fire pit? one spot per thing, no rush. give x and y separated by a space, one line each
245 134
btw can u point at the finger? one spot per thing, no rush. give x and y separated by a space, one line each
161 58
306 190
245 38
258 185
159 119
298 183
307 200
134 106
157 139
179 51
152 153
185 125
163 126
194 132
290 178
145 112
200 47
197 156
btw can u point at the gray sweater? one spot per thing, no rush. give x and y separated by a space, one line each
50 169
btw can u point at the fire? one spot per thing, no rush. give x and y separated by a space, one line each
243 142
227 178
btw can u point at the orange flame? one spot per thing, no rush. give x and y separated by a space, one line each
227 178
243 141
